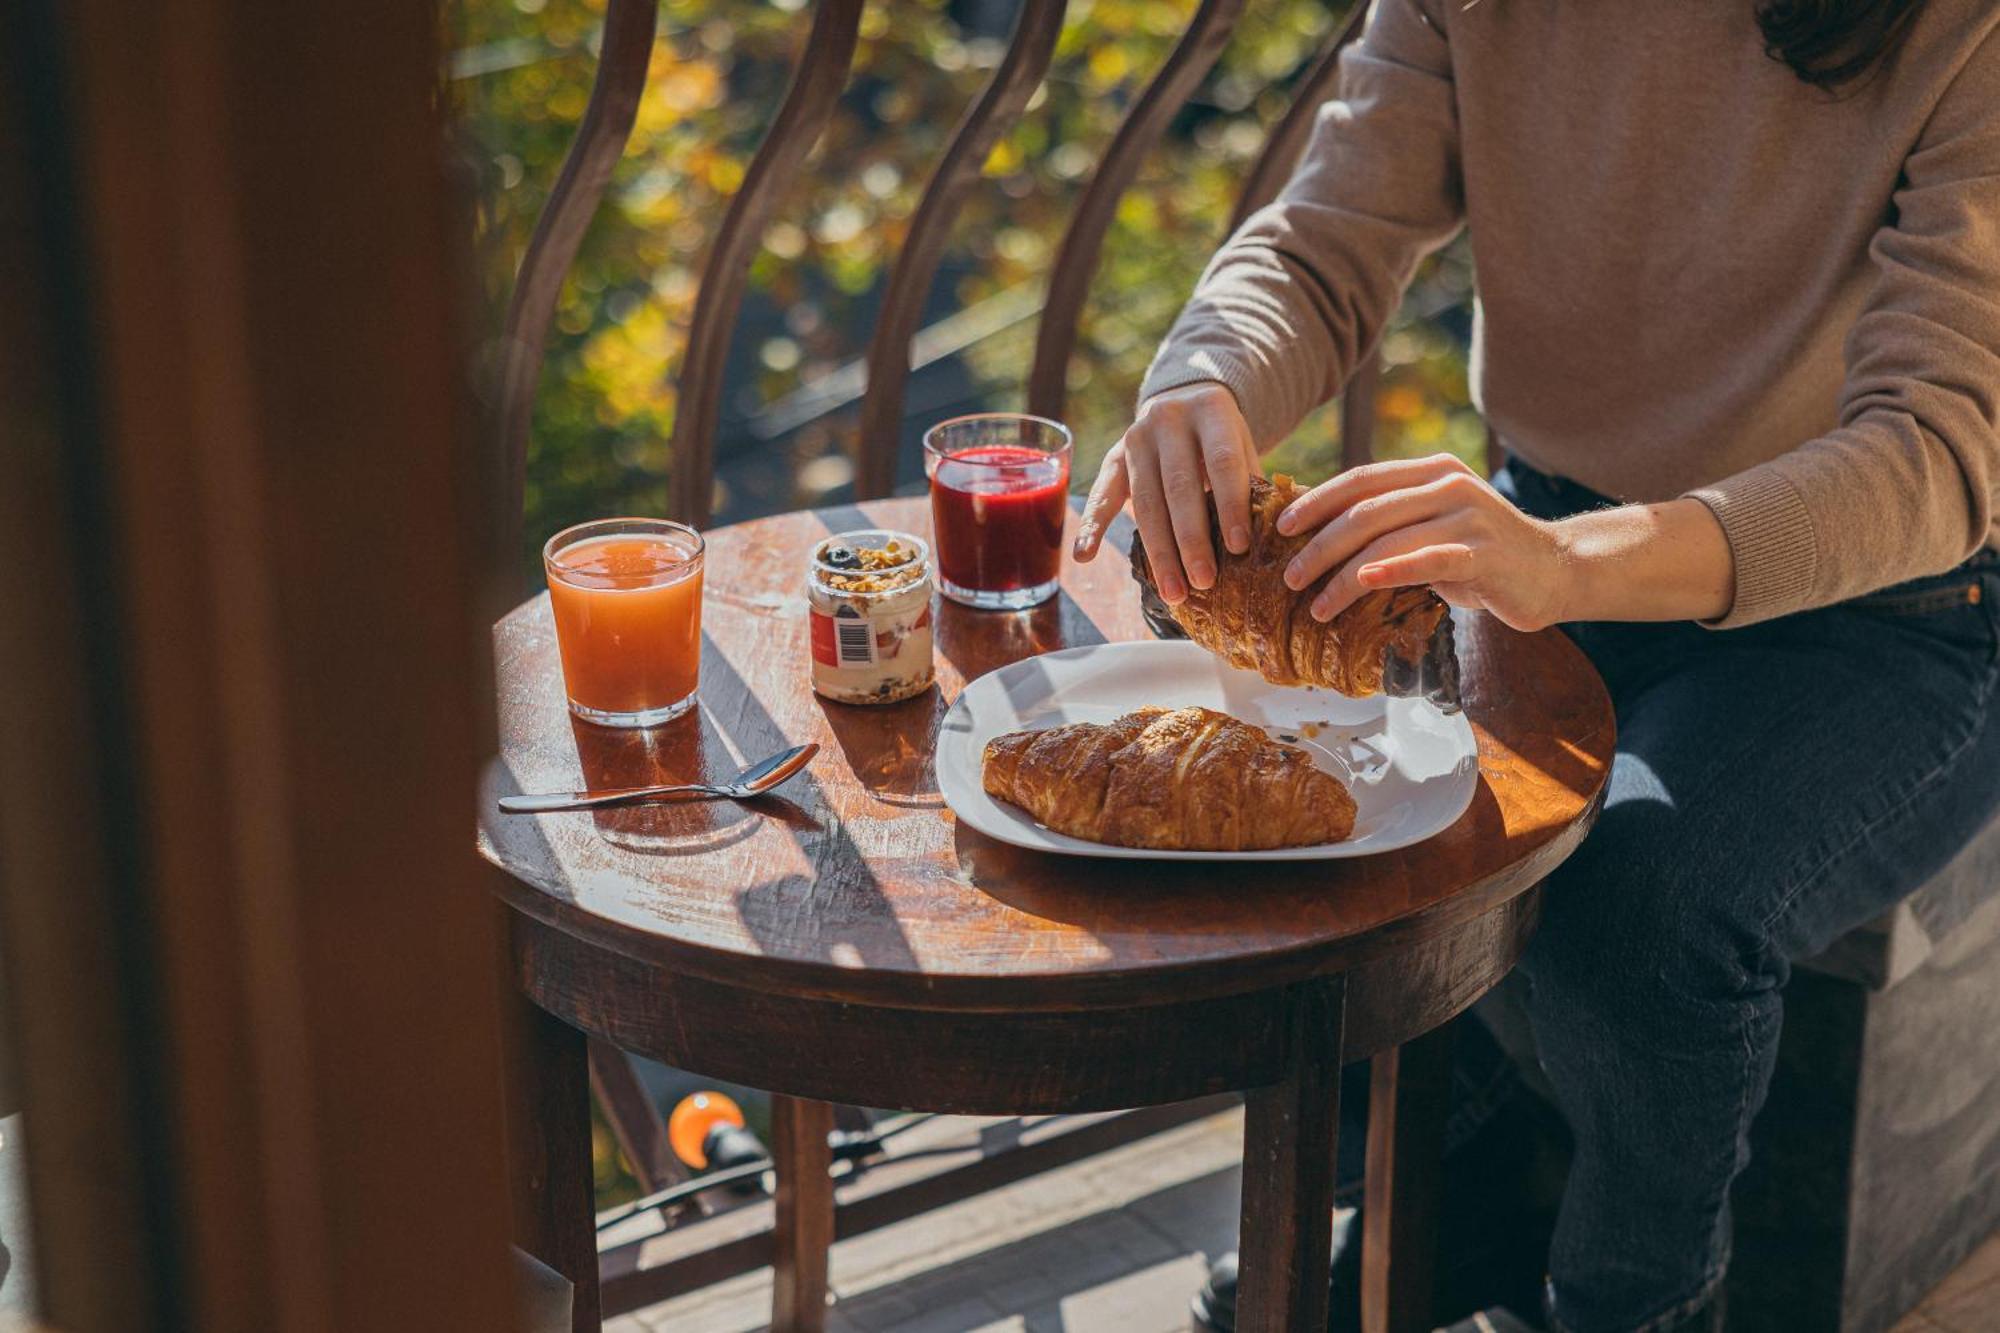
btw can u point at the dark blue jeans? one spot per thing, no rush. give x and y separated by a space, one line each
1774 787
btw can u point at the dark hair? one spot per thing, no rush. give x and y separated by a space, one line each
1833 42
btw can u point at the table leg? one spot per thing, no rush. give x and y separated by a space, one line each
1409 1099
1290 1131
548 1131
803 1229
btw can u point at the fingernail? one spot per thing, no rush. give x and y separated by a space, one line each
1295 577
1171 589
1200 574
1321 611
1286 522
1239 539
1078 547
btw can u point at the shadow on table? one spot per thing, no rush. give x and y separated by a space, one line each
890 747
835 909
975 642
688 749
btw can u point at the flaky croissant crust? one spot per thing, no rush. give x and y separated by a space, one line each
1251 620
1183 779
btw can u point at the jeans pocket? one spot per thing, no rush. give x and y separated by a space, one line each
1987 593
1935 597
1960 609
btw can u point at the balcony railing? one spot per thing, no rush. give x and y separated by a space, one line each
820 72
655 1256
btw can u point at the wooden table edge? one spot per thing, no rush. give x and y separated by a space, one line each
1051 992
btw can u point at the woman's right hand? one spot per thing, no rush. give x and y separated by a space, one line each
1185 443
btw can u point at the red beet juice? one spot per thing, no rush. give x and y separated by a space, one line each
997 514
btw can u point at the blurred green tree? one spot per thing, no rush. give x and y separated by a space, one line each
519 83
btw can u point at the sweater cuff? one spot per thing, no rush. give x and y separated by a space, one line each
1772 539
1203 366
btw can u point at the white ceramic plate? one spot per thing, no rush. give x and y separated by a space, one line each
1411 768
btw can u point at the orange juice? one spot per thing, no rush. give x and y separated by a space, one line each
626 595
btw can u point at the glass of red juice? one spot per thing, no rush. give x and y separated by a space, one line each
999 490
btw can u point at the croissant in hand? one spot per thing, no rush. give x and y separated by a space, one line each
1250 618
1183 779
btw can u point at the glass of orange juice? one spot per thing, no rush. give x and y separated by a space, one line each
626 593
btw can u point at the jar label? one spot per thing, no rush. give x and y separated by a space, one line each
843 639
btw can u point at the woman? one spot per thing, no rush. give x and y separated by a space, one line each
1739 274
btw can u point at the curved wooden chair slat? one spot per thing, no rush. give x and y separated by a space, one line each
821 73
1076 260
1357 412
999 105
1274 164
600 140
1288 137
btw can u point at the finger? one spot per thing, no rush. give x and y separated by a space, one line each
1363 522
1107 496
1156 528
1449 563
1187 503
1226 453
1345 587
1331 498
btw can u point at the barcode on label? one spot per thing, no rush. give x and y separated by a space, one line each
855 642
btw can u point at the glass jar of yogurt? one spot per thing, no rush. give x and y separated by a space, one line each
869 597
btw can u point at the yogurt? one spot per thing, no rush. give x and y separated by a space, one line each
869 597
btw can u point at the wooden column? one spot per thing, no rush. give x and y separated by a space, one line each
247 929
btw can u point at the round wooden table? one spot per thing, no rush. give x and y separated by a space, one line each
846 941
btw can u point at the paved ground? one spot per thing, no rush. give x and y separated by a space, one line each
1114 1244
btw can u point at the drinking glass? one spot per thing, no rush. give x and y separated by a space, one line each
999 489
626 593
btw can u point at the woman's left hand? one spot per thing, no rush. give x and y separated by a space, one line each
1427 520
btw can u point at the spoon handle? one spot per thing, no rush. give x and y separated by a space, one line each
604 800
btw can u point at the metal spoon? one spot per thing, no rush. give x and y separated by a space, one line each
758 778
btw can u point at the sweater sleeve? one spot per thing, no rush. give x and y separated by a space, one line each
1904 486
1288 305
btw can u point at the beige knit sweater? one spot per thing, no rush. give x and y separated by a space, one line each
1696 274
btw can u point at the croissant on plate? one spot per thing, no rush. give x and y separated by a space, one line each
1250 618
1182 779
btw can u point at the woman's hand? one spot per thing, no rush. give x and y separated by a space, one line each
1427 520
1434 520
1185 443
1386 525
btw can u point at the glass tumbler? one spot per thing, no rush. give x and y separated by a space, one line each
999 489
626 593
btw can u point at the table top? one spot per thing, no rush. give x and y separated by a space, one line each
854 882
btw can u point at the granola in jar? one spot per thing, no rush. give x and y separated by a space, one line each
869 597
